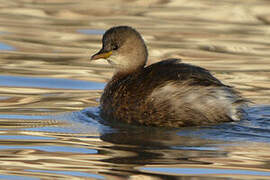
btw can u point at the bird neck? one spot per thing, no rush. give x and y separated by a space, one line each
127 63
120 73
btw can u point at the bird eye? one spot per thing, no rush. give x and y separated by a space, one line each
114 47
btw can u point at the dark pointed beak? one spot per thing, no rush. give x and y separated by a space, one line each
101 55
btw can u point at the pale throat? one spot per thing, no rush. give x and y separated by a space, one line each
123 63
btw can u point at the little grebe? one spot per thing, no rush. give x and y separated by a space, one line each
168 93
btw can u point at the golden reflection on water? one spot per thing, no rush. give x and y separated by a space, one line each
55 38
55 152
30 100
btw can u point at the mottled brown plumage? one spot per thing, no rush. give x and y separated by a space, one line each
167 93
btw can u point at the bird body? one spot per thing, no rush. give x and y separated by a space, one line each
168 93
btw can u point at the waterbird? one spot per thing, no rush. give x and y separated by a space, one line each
168 93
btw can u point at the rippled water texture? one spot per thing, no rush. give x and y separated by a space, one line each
49 91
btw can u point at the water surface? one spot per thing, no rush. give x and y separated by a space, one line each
49 91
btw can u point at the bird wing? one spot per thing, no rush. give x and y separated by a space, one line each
174 70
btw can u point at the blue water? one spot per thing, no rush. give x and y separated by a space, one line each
197 171
91 31
53 149
6 47
40 82
14 177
